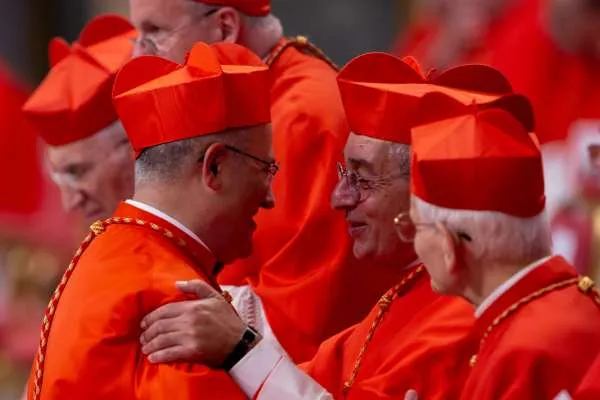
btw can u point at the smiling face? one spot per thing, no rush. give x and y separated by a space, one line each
376 188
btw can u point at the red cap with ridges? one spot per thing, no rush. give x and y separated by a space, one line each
220 87
477 157
253 8
380 92
74 100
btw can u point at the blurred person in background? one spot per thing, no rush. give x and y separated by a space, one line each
576 224
88 153
280 282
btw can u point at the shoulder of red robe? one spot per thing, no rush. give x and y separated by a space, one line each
480 157
219 87
253 8
73 101
380 92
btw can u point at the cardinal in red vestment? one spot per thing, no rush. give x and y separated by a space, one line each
538 322
290 266
201 135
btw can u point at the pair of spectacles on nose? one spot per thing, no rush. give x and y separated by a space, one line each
359 187
406 228
270 167
149 47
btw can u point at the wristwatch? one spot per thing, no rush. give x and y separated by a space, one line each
249 340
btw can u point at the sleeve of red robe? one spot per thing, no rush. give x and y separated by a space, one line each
99 356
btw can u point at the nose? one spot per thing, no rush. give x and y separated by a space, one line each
343 197
269 201
72 199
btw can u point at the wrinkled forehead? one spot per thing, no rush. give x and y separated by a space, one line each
145 13
364 152
89 150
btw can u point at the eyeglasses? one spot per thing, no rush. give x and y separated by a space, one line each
270 167
359 188
406 228
149 46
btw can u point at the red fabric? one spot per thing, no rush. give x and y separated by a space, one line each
307 270
19 160
93 348
74 100
484 152
545 346
562 87
151 94
423 343
589 389
255 8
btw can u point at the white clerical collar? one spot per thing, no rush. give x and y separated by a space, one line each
169 219
512 281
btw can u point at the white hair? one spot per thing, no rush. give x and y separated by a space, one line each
497 238
259 34
401 153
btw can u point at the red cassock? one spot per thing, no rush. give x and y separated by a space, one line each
423 342
539 337
127 271
301 247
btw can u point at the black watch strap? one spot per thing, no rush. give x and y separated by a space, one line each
247 342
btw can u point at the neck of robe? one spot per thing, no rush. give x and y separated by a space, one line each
193 249
552 271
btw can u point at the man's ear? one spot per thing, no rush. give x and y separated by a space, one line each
212 166
449 249
229 24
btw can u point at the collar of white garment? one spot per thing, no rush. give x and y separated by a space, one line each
500 290
169 219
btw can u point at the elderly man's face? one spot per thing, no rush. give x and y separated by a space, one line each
169 28
93 174
373 191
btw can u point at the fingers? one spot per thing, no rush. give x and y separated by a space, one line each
169 355
411 395
199 288
167 311
162 342
158 328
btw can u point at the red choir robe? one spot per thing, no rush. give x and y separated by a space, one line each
424 343
93 348
541 348
302 266
589 389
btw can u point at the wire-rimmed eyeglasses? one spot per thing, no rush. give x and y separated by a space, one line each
270 167
406 228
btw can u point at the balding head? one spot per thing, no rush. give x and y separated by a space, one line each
170 28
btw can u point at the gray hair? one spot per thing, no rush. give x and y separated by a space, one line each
497 237
165 162
401 154
260 34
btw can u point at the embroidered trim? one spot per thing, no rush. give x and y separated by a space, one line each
584 284
301 43
384 305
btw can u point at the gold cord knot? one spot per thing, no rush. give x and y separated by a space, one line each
302 40
585 284
385 301
473 360
97 227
